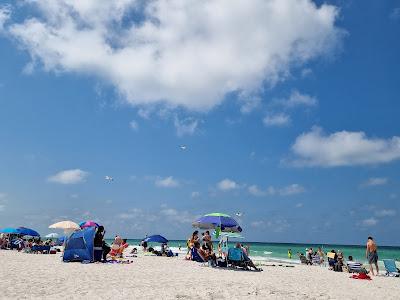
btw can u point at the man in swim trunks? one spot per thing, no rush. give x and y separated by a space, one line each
371 254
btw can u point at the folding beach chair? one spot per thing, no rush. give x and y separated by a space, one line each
391 268
236 258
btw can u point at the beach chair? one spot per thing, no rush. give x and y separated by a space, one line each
355 267
236 258
391 268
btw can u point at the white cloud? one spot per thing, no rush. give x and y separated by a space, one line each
69 176
256 191
248 102
177 216
185 126
167 182
386 213
297 99
195 194
374 181
369 222
279 120
278 225
5 14
183 53
306 72
2 195
291 190
134 125
299 205
227 185
392 196
343 148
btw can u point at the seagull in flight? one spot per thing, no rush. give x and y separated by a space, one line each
109 178
183 147
239 214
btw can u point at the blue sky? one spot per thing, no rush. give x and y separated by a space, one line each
289 117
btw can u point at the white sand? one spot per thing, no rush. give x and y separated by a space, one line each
37 276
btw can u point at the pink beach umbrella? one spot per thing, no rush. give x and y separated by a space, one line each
88 224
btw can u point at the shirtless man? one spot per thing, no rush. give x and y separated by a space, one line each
372 255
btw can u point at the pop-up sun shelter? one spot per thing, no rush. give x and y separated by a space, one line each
79 245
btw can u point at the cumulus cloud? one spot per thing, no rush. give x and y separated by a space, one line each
195 194
292 189
167 182
227 185
181 53
343 148
5 14
185 126
374 181
134 125
289 190
69 176
279 120
297 99
369 222
278 225
175 215
256 191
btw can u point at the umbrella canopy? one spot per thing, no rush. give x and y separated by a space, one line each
156 239
217 220
52 235
88 224
9 230
27 231
231 235
66 225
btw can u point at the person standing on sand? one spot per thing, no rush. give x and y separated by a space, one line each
371 253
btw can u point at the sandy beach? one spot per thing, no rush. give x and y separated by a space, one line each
31 276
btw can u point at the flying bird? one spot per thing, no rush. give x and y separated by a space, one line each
183 147
109 178
239 214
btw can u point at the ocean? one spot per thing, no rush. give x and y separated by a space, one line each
278 252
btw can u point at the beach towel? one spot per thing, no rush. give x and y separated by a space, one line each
361 276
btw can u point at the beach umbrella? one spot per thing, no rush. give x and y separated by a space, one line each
52 235
27 231
68 226
156 239
232 235
9 230
88 224
219 222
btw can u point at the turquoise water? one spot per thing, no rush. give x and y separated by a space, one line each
278 251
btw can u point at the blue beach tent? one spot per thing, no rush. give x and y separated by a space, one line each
79 245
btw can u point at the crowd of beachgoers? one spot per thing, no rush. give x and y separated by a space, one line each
202 249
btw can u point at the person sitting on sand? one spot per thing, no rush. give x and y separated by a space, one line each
332 259
355 267
246 258
196 254
207 240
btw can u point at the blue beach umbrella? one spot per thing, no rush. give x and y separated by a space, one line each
27 231
219 222
156 239
9 230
